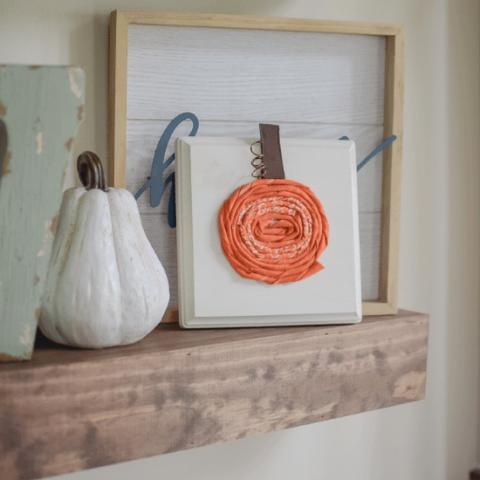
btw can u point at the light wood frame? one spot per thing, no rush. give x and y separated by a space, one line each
393 112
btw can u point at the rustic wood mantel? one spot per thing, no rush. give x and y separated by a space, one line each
69 410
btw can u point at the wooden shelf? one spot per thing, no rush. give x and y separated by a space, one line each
69 410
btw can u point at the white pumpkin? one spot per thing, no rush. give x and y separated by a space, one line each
105 284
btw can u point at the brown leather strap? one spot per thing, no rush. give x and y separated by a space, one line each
272 154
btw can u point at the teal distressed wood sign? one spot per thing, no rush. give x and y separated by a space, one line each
41 108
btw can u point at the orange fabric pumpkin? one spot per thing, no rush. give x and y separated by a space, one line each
274 231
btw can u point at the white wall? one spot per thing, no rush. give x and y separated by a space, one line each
440 269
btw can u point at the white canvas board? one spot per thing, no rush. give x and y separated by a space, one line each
211 293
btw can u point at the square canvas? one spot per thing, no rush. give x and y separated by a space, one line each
211 292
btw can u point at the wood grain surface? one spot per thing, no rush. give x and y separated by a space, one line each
70 410
257 76
392 173
42 108
117 99
152 17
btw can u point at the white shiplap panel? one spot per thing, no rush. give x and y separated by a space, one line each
313 85
163 240
143 136
369 224
255 75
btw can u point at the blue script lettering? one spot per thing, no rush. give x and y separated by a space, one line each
377 150
155 182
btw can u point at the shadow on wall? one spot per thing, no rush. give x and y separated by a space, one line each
463 150
88 48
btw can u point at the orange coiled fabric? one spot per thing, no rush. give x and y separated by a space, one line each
273 231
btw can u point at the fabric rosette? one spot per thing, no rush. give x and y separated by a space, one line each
273 231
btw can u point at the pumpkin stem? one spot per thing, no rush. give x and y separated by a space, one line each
91 173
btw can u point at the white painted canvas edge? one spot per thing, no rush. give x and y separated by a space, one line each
185 233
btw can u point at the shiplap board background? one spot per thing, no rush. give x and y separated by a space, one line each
312 85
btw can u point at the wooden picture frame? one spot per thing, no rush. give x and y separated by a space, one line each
394 35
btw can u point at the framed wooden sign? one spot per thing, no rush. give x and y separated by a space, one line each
316 79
